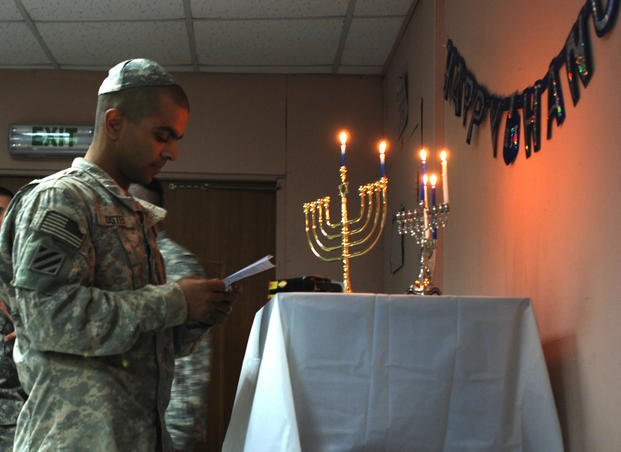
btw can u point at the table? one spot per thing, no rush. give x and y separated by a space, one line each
373 372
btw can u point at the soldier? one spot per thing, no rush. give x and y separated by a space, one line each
97 325
12 395
186 415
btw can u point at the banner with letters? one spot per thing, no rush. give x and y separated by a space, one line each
523 108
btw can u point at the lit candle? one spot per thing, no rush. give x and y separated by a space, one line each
423 158
445 191
433 179
343 138
382 154
425 206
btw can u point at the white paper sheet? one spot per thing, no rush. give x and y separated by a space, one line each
256 267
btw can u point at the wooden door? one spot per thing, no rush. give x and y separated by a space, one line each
227 227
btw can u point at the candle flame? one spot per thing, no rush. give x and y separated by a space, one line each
443 155
382 147
343 136
433 179
423 154
425 179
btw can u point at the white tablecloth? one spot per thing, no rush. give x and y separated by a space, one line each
366 372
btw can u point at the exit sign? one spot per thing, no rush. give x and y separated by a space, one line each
48 140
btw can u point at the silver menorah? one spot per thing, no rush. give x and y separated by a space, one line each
423 223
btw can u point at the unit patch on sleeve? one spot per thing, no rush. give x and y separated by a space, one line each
62 227
47 260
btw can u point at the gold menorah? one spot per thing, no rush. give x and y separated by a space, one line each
348 238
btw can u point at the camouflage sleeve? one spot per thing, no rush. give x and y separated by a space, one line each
54 271
186 415
180 262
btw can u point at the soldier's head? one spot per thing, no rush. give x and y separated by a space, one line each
141 114
135 88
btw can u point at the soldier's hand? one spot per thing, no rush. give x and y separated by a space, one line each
207 300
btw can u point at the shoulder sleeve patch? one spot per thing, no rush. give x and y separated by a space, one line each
62 227
47 260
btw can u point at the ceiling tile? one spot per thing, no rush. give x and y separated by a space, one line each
370 41
326 69
267 8
382 7
267 42
8 11
103 10
180 68
246 36
81 43
19 47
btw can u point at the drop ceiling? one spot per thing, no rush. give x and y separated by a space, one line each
232 36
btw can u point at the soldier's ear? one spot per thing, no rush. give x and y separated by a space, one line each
113 122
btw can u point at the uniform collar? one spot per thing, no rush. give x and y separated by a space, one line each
152 213
100 175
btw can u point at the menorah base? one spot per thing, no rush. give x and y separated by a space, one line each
417 289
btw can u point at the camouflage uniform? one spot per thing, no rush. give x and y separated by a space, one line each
11 394
186 416
94 317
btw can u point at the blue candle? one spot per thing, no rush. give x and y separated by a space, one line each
434 179
423 157
343 138
382 154
422 184
426 208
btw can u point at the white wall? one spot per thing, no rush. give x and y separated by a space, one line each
544 227
416 57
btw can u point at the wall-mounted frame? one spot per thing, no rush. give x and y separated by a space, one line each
401 95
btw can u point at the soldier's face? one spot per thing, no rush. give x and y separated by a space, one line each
151 143
4 203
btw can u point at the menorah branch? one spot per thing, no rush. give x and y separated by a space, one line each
347 242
